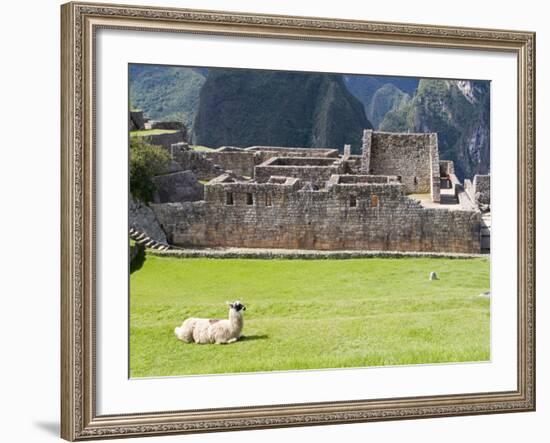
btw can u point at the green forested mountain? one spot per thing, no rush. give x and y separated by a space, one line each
166 92
366 87
245 107
459 112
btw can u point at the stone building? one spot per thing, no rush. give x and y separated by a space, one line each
397 195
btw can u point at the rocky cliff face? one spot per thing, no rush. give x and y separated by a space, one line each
245 108
386 98
373 90
459 112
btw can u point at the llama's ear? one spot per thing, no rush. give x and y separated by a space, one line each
229 303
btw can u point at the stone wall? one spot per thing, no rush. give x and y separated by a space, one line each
414 157
446 168
264 153
464 199
366 151
197 162
435 176
353 164
303 254
240 162
343 216
166 140
316 170
469 189
177 187
359 179
482 189
168 125
243 161
210 164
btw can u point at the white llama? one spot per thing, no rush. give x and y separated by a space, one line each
213 330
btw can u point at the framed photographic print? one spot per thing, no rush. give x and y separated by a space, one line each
284 221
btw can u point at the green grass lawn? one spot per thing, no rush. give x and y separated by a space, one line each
307 314
144 132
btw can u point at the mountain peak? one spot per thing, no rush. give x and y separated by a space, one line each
246 107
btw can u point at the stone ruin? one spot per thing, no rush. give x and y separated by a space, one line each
396 196
137 121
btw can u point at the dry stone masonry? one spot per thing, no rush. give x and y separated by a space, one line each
165 139
177 187
396 196
414 157
482 189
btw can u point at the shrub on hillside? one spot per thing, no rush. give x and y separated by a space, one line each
146 161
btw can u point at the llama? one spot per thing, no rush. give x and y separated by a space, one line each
213 330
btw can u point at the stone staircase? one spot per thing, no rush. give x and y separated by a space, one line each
147 242
486 233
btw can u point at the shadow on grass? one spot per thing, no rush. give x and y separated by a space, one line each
138 259
254 337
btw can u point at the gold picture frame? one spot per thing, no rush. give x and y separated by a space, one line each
80 21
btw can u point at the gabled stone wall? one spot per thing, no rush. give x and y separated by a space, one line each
414 157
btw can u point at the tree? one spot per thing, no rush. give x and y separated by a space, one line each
146 161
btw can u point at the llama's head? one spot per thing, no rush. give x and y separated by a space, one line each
237 306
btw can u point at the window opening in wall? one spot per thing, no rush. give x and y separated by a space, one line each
373 201
268 199
229 198
352 201
415 181
249 198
